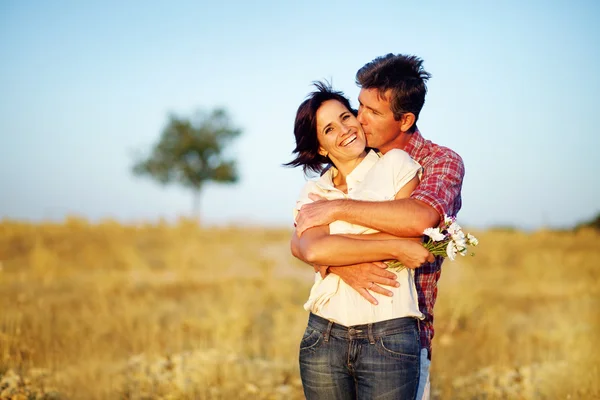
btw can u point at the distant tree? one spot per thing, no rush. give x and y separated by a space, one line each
593 223
190 153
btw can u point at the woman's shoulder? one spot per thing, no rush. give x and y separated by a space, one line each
397 154
309 186
396 158
322 185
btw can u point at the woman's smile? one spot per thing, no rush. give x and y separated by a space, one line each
348 140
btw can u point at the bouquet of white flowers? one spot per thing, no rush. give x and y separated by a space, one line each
446 241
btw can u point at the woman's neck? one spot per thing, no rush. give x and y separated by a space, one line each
344 169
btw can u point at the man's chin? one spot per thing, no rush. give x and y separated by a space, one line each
369 139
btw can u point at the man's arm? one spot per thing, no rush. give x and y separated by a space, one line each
440 185
402 217
434 197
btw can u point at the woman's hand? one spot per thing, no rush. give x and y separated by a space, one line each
413 254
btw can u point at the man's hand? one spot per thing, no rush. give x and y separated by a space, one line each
320 212
413 254
321 269
367 276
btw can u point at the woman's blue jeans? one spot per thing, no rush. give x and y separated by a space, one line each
372 361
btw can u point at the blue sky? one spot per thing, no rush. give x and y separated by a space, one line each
85 85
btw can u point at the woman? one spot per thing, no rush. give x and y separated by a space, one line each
352 349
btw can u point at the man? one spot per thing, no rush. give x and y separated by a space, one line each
392 94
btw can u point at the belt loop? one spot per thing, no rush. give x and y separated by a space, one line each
328 331
370 333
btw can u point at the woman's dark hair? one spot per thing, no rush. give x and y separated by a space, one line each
305 128
404 76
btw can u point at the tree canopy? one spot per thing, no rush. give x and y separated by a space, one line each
190 152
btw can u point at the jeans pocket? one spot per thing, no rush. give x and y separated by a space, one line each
311 339
400 346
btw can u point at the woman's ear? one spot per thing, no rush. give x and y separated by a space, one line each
322 151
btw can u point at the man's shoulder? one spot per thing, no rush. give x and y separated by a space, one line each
448 152
437 152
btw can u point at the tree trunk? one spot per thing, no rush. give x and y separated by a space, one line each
196 204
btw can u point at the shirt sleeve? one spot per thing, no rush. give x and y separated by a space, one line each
441 183
404 167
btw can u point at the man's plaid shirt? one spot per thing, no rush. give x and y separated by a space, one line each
440 186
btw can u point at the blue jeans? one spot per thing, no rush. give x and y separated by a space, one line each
372 361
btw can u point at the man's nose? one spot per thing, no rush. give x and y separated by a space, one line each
359 116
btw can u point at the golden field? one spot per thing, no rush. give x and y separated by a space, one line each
177 311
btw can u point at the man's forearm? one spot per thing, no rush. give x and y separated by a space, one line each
403 218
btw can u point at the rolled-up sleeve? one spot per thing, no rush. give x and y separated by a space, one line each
441 183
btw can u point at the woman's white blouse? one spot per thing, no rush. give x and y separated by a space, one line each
377 178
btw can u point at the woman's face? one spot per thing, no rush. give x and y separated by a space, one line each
339 133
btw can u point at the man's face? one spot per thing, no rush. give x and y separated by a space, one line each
375 115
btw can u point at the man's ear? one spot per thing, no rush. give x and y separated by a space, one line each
407 121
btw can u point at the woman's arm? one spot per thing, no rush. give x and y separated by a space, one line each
317 246
376 236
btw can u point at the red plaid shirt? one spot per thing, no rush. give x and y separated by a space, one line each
440 186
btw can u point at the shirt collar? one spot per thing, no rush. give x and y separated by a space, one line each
415 144
357 174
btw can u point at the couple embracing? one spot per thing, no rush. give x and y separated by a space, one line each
382 184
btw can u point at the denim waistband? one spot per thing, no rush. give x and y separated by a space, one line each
364 331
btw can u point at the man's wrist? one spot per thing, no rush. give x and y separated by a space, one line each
340 209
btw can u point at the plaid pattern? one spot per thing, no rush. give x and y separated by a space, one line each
440 186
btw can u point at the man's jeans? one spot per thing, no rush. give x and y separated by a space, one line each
424 386
372 361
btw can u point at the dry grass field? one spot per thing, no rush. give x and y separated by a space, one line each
175 311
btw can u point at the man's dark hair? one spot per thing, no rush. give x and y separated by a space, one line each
404 76
305 128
